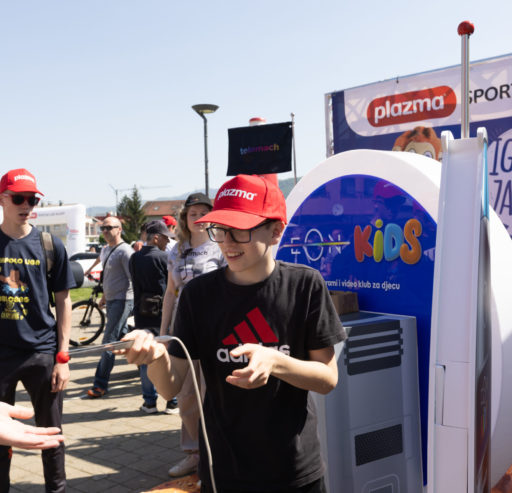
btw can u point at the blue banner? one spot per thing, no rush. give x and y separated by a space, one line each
365 234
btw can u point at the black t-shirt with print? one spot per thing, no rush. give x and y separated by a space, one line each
262 439
25 318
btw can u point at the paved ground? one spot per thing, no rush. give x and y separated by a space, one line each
110 444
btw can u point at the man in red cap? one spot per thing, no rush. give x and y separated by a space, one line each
31 337
171 224
169 221
264 332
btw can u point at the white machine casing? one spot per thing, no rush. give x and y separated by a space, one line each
369 424
455 321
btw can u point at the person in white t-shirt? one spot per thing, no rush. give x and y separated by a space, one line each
193 255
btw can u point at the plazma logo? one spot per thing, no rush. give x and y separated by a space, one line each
24 177
235 192
258 332
435 102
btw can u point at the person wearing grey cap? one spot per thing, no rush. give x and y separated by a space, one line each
148 270
193 255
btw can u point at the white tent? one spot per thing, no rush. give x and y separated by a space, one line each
73 216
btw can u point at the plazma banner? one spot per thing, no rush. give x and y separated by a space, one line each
409 113
261 149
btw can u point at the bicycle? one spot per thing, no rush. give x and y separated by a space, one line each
87 318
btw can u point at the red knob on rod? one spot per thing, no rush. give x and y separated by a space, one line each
466 27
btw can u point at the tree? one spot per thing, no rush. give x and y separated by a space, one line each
129 211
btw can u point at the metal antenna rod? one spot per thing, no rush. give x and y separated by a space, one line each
293 149
465 30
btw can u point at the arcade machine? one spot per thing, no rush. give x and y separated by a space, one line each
350 218
412 410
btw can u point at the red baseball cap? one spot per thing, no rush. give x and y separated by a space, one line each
245 201
169 221
19 180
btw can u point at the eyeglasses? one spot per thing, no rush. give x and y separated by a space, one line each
218 235
107 228
18 199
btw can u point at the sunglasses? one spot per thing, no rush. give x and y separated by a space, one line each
18 199
107 228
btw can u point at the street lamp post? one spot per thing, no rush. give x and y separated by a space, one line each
201 110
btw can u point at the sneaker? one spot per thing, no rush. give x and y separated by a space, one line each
186 466
96 392
149 408
172 407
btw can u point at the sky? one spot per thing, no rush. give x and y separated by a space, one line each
96 95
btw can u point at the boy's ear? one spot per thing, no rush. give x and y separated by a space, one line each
277 229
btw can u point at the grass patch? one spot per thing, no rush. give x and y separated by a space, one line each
80 294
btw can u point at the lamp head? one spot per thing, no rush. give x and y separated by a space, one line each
205 109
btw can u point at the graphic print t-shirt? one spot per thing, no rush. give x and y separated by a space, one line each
267 436
25 318
193 262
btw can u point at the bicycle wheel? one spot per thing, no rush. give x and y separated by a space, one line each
87 322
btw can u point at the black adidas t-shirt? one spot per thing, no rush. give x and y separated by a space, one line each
26 321
262 439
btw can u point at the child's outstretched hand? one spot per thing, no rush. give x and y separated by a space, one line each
17 434
256 373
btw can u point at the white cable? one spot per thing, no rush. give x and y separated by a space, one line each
200 405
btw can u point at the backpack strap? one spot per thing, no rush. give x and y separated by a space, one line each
49 254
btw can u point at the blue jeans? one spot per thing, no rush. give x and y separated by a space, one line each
148 389
118 312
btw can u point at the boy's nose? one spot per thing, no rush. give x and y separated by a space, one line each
228 238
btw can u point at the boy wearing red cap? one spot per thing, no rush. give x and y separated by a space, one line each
264 332
30 335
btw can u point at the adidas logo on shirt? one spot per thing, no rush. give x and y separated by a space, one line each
258 332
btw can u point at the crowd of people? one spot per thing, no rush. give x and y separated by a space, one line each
260 332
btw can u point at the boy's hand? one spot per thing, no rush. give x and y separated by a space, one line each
259 369
144 350
60 376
